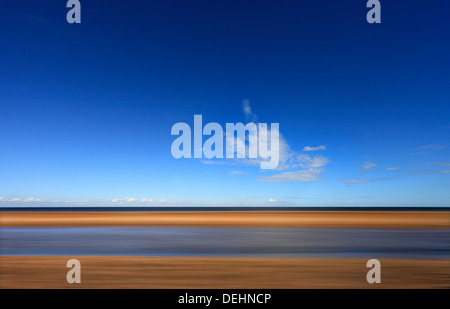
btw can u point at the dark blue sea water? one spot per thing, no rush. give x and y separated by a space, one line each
227 242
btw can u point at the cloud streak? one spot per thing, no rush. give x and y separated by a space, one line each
312 174
249 116
351 181
393 168
237 173
321 147
439 163
427 148
369 165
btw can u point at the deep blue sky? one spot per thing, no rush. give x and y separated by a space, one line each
86 109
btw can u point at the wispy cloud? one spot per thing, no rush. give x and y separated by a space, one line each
351 181
436 169
307 161
308 167
249 116
424 171
392 168
237 173
429 171
312 174
135 202
129 200
369 165
439 163
126 199
321 147
427 148
354 180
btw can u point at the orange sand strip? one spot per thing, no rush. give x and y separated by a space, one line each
401 219
201 272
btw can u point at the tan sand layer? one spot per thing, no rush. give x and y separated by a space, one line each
403 219
219 273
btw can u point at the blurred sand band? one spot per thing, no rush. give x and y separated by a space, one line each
219 273
376 219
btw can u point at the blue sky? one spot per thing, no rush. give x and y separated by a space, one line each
86 109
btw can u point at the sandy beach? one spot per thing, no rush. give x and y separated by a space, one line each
112 271
375 219
219 273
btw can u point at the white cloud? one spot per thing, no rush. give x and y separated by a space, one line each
312 174
428 148
122 202
249 116
321 147
439 163
429 171
354 180
312 165
369 165
1 198
311 162
358 180
393 168
237 173
308 167
241 145
30 199
126 200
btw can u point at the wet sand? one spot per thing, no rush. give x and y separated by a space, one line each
219 273
375 219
